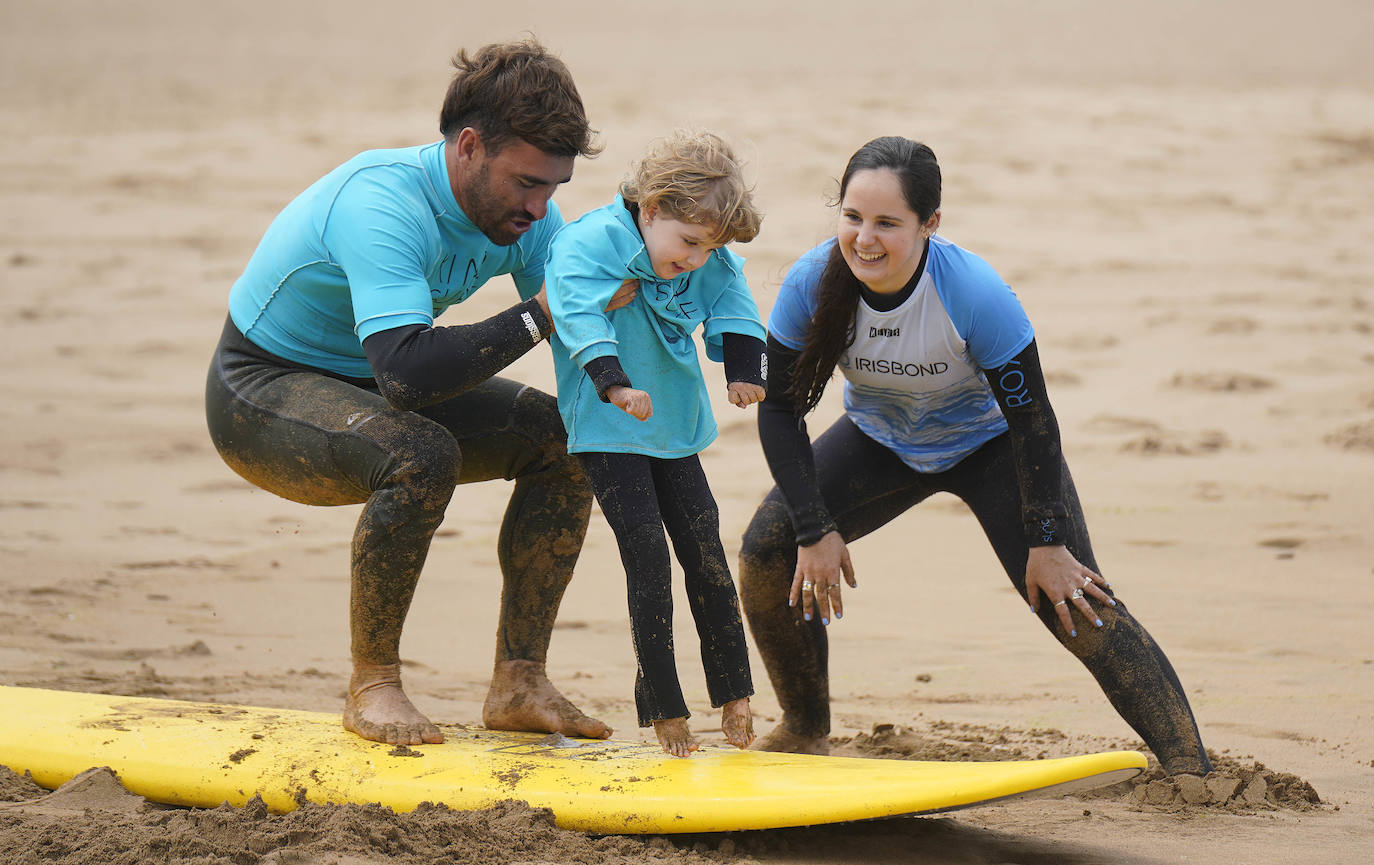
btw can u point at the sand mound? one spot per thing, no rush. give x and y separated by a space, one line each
1233 785
132 831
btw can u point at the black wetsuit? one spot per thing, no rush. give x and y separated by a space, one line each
641 496
434 417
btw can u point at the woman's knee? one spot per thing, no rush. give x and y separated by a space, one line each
768 552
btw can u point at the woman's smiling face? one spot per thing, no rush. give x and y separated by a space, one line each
879 234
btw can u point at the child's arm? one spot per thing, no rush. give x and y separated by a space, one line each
746 368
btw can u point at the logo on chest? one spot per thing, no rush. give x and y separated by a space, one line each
875 332
885 366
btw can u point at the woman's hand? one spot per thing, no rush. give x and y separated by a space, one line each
745 394
816 582
631 401
1063 580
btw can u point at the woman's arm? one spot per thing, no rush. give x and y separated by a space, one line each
822 556
1019 387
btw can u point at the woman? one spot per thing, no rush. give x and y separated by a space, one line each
944 393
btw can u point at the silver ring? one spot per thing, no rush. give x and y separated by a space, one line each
806 585
1087 581
832 587
1077 593
1060 603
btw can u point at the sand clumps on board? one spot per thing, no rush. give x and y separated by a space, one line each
56 829
1234 785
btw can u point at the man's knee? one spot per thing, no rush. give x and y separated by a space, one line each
426 459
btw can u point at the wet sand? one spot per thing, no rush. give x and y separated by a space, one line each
1179 197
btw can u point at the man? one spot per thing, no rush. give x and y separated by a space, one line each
331 385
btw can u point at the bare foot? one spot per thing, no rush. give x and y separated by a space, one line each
521 697
675 738
377 709
783 742
737 723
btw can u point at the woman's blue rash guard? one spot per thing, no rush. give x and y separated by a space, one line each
377 243
651 337
962 318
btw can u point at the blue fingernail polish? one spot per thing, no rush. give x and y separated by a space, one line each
824 620
1073 633
1113 603
839 615
806 616
1099 623
791 603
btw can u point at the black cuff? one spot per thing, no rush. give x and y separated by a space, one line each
811 526
1047 525
746 359
606 372
541 321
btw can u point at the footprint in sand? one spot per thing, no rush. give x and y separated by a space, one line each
1359 437
1235 324
1220 382
1152 439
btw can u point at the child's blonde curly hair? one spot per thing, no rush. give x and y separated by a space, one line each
694 177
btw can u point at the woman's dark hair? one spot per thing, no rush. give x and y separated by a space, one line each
517 90
837 297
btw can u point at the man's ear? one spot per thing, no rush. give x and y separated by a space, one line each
468 146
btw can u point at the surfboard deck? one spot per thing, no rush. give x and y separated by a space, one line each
206 754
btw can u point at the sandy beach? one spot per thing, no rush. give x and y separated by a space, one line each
1178 195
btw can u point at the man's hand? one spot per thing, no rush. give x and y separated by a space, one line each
623 295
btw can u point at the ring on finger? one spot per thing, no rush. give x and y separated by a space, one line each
1061 603
1087 581
1077 593
806 585
833 587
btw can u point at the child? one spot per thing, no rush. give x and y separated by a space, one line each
635 405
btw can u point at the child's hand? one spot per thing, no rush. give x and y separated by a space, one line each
744 394
635 402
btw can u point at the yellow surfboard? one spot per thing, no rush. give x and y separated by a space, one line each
205 754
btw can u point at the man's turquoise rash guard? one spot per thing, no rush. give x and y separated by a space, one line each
376 244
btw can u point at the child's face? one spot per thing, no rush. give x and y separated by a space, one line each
675 247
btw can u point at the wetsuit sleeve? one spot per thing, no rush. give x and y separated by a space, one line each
416 365
787 449
606 373
1019 386
733 311
745 359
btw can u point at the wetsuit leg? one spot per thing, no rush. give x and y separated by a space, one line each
324 440
692 519
864 486
624 488
1130 667
509 430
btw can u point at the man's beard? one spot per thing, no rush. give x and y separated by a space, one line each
489 213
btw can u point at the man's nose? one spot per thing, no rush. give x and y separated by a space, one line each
537 205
